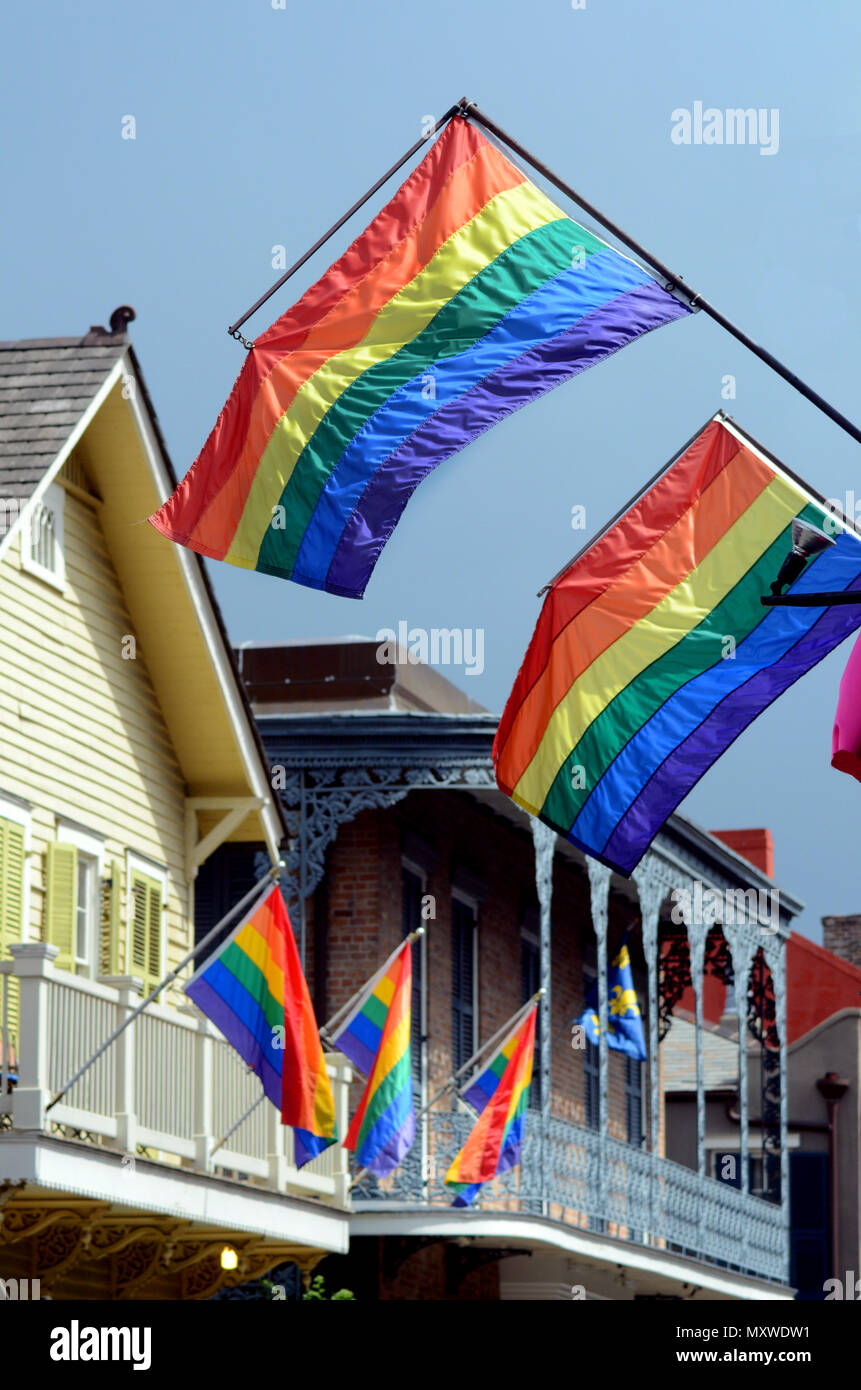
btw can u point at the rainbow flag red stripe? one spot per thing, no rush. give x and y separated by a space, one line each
384 1126
254 991
502 1094
468 296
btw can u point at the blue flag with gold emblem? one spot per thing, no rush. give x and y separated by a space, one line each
625 1026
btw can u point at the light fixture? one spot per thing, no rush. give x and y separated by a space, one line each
229 1258
807 541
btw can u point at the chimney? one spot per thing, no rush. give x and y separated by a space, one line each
757 846
842 935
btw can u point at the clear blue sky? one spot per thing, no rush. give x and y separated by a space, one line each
258 126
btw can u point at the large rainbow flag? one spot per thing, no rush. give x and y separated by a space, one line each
653 651
501 1094
469 295
254 991
383 1128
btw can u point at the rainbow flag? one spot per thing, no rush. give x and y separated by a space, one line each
653 651
358 1034
468 296
383 1128
501 1094
254 990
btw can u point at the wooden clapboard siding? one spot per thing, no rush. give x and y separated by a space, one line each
82 735
149 570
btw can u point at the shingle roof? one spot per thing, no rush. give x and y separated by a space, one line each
46 384
679 1059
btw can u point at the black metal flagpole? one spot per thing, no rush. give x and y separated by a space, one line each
674 281
233 330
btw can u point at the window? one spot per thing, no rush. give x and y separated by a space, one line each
634 1101
464 944
530 980
73 907
147 897
42 538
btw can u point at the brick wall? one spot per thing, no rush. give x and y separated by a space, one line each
364 912
842 935
364 925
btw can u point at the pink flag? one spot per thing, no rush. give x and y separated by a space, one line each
846 739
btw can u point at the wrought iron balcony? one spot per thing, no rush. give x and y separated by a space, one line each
603 1186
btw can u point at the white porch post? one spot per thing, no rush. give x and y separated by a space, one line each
544 840
599 895
128 989
32 961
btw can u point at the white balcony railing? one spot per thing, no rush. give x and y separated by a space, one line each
170 1084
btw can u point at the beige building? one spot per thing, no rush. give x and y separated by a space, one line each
128 757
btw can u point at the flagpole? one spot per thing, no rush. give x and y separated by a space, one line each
324 1033
507 1027
233 330
259 886
333 1022
695 300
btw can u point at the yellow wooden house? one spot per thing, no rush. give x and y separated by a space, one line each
128 758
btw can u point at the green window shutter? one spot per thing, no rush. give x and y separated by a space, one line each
61 902
111 958
11 910
146 930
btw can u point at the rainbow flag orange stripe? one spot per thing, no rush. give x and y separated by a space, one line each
468 296
502 1094
254 991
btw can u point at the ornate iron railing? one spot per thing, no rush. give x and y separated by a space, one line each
606 1187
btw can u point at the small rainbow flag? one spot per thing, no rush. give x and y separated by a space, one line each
501 1094
653 651
384 1126
358 1034
254 990
468 296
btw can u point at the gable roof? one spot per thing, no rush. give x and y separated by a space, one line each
56 393
46 386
